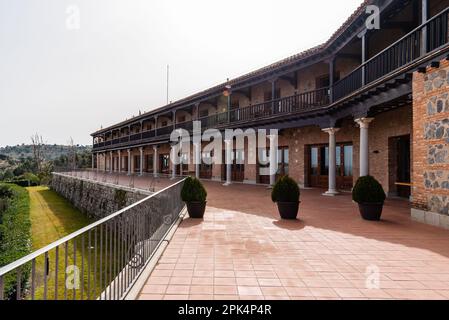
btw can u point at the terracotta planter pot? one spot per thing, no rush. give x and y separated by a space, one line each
371 211
288 210
196 209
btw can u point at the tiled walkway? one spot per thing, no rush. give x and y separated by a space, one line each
243 251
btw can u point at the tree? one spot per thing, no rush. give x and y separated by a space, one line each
38 146
72 153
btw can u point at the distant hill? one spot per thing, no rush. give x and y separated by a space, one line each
52 152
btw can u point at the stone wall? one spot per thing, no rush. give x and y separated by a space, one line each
431 146
95 199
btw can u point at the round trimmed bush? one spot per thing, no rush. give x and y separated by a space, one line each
285 190
368 190
193 191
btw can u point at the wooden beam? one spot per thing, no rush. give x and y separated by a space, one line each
435 64
422 70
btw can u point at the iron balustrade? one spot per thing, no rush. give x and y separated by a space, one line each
187 125
101 261
297 103
214 120
148 134
135 137
164 130
124 139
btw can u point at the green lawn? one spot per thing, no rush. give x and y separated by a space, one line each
53 217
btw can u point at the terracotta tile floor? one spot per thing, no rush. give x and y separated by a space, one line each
242 250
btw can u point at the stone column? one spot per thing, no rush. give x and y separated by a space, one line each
331 78
228 162
364 145
141 161
155 161
273 159
93 161
173 168
110 162
105 162
180 166
197 159
119 161
273 95
332 162
129 162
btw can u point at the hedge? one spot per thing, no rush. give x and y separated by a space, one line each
15 236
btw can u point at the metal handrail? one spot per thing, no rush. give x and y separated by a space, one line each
102 223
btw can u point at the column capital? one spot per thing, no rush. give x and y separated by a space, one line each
364 122
155 147
141 149
331 131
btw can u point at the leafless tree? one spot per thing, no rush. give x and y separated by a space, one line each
72 154
38 150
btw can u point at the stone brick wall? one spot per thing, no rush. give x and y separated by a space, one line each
95 199
431 141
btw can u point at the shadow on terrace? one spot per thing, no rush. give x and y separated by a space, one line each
338 214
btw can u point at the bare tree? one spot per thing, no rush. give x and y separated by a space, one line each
38 150
72 154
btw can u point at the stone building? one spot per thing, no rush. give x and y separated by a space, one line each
368 101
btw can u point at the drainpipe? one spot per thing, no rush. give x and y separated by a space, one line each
424 18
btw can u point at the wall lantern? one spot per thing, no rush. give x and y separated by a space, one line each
227 91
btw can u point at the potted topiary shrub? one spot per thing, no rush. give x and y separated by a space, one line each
370 196
194 195
286 194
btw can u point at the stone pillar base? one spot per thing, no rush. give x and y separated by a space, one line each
331 193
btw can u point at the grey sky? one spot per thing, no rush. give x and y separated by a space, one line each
62 82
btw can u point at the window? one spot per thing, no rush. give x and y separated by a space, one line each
136 163
239 156
182 119
338 160
164 123
348 161
283 168
149 162
264 159
324 161
314 161
204 113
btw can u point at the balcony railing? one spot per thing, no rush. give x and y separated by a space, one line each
148 134
402 53
187 125
101 261
297 103
164 130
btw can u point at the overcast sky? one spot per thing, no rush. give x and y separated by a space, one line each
65 79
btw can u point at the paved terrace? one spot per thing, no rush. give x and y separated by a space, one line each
242 250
